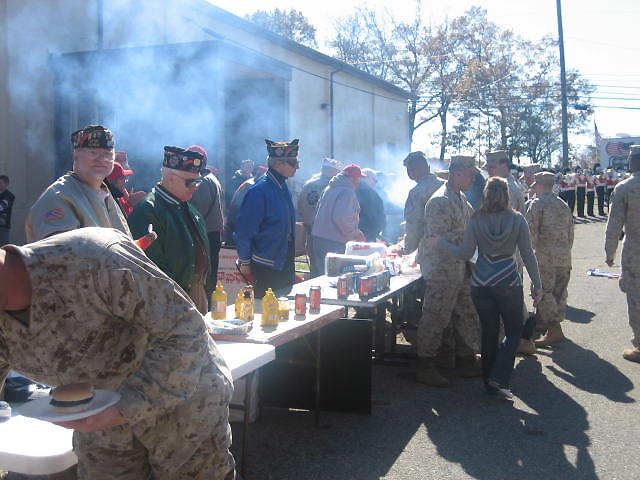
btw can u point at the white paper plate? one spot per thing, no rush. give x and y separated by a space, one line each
41 409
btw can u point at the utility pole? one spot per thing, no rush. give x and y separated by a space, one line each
563 90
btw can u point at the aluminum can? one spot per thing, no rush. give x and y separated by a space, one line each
301 304
314 298
343 290
364 289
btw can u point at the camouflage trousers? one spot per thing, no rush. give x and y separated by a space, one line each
189 442
555 280
630 284
448 314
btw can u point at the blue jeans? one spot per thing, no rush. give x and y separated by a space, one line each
492 305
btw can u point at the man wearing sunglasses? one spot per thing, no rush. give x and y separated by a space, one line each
182 248
265 226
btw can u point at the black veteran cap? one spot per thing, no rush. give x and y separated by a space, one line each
282 149
179 158
92 136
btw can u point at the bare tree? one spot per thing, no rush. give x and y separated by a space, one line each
291 24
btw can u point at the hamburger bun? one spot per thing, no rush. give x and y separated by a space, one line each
72 398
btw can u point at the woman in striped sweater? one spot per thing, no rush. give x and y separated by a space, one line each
497 232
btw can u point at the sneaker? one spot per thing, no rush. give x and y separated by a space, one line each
494 387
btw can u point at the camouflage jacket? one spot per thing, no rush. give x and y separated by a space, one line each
447 215
102 312
625 213
414 211
551 227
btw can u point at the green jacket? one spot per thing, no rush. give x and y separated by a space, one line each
173 251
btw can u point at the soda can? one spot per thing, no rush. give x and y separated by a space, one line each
343 290
364 289
301 304
314 298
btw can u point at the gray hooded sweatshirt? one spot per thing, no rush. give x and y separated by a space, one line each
496 235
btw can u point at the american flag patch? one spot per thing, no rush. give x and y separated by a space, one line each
55 214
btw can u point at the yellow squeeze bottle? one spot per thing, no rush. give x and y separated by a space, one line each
238 304
219 303
269 309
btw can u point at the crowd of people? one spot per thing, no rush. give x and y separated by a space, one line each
141 307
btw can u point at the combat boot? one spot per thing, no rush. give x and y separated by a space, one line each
554 335
429 375
526 347
446 359
633 355
469 366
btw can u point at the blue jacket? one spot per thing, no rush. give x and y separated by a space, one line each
266 222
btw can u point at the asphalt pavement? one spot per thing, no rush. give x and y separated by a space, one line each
575 416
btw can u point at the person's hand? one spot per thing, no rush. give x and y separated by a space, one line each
609 261
433 240
245 270
108 418
536 295
135 197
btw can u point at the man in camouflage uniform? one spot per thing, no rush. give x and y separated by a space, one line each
79 198
624 212
551 226
308 206
88 306
447 300
426 185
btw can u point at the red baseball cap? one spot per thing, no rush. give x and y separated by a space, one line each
118 172
199 149
353 171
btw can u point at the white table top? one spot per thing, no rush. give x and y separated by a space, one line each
243 358
35 447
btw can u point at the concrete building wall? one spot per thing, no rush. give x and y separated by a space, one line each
370 122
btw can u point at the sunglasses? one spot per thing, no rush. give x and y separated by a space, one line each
190 182
293 163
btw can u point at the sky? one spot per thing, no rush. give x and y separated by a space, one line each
600 42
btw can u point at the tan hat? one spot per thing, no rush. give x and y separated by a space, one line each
497 156
331 163
414 156
462 161
531 169
544 178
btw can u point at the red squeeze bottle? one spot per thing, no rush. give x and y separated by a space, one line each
148 239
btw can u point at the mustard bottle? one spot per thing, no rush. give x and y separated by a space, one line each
219 303
246 309
238 304
269 309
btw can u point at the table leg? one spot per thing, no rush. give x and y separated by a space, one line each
318 382
245 422
380 322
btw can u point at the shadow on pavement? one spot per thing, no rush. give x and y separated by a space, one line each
540 435
585 370
578 315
